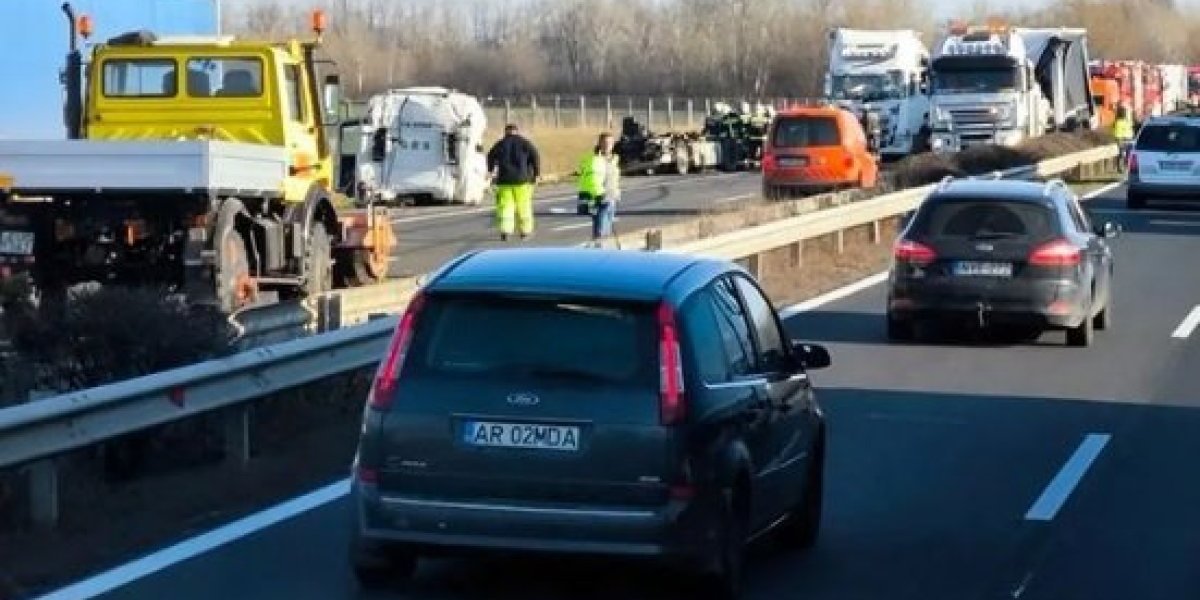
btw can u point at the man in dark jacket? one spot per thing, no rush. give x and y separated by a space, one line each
515 166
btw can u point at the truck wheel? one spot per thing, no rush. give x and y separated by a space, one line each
357 267
318 262
235 287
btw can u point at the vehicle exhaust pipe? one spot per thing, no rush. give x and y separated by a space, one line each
72 79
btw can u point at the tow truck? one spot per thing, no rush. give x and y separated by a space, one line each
201 163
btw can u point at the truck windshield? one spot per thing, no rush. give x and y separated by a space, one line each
974 82
867 88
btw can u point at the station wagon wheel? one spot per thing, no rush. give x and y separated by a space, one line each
1082 335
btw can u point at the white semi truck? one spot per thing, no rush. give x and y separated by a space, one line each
1001 85
885 72
420 144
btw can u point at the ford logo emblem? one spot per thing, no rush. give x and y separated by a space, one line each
523 399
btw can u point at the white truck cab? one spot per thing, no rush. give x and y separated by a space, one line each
421 144
885 72
1000 85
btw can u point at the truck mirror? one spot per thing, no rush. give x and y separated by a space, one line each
332 96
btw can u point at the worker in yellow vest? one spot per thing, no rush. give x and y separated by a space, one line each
1123 132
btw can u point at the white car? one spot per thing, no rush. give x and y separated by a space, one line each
1164 161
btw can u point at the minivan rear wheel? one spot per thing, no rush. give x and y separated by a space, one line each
724 577
803 524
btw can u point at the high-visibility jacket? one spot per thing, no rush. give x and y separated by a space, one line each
1123 128
591 174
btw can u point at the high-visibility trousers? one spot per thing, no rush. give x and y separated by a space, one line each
514 208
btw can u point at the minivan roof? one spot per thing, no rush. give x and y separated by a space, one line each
616 274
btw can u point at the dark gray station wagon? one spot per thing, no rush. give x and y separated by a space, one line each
589 402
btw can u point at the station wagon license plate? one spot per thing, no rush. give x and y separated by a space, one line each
16 242
521 435
793 161
983 269
1175 165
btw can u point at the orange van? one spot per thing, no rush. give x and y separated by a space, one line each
816 149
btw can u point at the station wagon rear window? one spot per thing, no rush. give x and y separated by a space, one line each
806 131
140 78
985 219
225 77
588 342
1169 138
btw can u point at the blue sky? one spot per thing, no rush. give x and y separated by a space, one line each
39 29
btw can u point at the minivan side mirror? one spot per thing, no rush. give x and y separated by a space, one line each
811 356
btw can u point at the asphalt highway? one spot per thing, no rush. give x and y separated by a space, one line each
959 469
429 236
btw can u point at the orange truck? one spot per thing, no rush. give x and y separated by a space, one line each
1106 94
816 149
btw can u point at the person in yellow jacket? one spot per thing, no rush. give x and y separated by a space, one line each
599 186
1123 132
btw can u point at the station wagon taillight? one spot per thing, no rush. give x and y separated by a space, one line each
1058 253
913 253
670 368
389 369
1133 163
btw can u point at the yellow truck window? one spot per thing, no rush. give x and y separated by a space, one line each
225 77
140 78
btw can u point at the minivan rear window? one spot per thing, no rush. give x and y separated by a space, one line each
985 219
1169 138
594 342
805 131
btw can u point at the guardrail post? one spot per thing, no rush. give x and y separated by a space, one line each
582 111
671 113
796 253
533 111
691 113
557 111
876 232
507 111
237 435
654 240
754 265
608 112
650 113
841 241
42 484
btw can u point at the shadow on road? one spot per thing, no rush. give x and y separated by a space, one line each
843 327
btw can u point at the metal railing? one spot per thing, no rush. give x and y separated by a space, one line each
40 430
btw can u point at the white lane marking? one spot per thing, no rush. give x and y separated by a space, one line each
109 580
736 198
1102 190
118 576
561 210
1060 488
834 295
1184 331
571 226
1172 223
557 198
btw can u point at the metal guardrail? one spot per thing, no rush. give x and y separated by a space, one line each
50 426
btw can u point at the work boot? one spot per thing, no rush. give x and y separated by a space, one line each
526 236
504 237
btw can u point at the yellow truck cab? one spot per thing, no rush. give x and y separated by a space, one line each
198 162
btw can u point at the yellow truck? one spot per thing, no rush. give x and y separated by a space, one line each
200 163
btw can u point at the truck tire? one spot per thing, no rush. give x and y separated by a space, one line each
318 261
235 286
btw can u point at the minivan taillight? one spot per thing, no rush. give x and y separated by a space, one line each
388 373
768 160
913 253
1058 253
670 368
